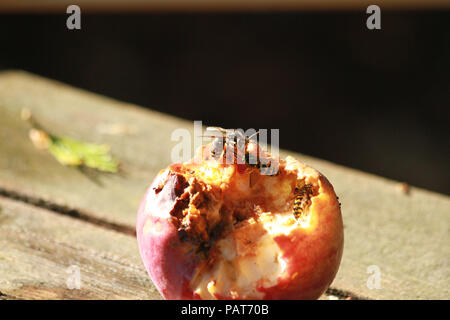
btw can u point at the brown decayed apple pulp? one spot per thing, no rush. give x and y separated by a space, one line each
208 230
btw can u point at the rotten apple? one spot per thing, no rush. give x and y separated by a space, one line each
211 230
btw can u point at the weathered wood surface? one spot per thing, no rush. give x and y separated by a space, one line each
40 251
406 235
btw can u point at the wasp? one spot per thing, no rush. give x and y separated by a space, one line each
238 143
232 140
302 199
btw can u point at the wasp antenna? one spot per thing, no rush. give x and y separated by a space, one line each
256 133
216 129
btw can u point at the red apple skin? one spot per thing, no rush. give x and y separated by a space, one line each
312 254
165 257
315 255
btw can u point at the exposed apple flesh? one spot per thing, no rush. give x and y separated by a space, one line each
208 230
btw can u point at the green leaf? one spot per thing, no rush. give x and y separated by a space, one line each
76 153
69 151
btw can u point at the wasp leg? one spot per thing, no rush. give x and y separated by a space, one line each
268 171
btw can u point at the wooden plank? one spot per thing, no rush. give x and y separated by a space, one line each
81 115
216 5
40 251
405 235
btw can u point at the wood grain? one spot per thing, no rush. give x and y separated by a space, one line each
38 248
67 111
405 234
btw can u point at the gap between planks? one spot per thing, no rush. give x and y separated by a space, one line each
4 296
86 217
64 210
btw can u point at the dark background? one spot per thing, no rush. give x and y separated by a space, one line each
376 100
